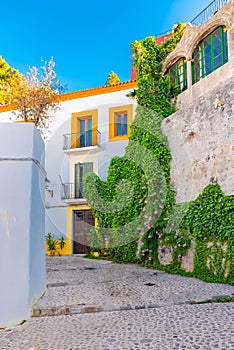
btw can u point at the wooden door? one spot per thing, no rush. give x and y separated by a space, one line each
83 222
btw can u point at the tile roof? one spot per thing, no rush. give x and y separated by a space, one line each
85 93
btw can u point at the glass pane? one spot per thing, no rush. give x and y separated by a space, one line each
206 41
217 42
125 131
89 137
82 133
207 49
216 32
78 179
89 132
207 57
89 124
172 74
119 125
217 51
218 61
208 69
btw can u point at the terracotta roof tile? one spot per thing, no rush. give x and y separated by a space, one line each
85 93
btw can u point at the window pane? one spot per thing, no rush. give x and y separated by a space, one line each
213 50
218 61
125 131
206 41
89 133
207 49
82 133
89 124
217 42
119 125
89 138
217 51
208 69
216 32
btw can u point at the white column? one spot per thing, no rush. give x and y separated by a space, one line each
22 221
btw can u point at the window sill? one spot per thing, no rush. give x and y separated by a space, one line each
119 138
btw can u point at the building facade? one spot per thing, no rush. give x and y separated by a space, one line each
90 128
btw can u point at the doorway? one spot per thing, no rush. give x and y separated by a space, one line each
83 221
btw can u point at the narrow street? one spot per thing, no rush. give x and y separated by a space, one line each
95 304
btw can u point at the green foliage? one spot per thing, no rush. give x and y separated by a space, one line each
224 299
205 224
119 209
54 245
211 215
8 76
155 91
210 220
112 78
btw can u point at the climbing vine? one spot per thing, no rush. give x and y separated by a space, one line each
141 222
154 95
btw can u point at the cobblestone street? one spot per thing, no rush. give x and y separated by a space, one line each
101 305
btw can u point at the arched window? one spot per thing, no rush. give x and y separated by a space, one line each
210 54
178 74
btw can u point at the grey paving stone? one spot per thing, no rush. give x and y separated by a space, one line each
153 317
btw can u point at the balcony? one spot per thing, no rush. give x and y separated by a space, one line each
72 192
208 12
203 16
89 140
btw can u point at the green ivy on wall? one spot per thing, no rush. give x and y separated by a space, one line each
137 219
210 220
154 96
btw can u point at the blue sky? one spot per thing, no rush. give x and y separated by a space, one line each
87 39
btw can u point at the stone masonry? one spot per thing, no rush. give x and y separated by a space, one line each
201 140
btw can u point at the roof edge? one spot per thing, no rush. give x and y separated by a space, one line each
97 91
85 93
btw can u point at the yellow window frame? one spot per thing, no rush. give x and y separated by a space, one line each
112 121
75 126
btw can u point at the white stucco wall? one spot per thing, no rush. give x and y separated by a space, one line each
22 218
58 162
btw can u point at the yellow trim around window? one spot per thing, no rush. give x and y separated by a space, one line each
112 124
75 127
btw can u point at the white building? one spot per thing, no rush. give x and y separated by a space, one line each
90 128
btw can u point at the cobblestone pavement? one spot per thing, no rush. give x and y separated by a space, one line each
139 309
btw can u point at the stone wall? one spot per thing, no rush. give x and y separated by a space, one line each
189 41
201 140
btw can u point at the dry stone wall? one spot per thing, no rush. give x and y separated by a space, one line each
201 140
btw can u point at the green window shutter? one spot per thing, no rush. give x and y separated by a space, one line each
87 168
77 180
213 54
81 170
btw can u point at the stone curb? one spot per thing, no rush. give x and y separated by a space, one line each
83 309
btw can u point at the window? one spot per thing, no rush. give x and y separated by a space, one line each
81 170
84 131
178 74
210 54
120 119
85 127
121 123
